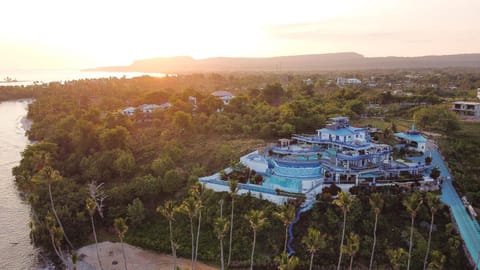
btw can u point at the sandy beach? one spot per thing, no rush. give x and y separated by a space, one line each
137 258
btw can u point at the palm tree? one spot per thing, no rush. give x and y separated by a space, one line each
91 206
287 262
188 208
376 202
95 203
286 214
56 236
396 256
121 229
233 184
48 175
314 240
438 260
344 201
199 192
412 203
74 260
221 227
257 221
168 211
433 202
352 247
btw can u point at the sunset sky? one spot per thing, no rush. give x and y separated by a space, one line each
89 33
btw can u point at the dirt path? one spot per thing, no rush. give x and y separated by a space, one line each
137 258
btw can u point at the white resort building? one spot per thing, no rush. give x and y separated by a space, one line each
225 96
337 154
467 109
344 81
412 139
146 108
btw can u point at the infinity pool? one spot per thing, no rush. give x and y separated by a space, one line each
283 183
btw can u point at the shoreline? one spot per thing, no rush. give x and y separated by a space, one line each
111 256
26 124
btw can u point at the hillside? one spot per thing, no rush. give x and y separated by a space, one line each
314 62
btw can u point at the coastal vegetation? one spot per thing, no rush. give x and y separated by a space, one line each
152 161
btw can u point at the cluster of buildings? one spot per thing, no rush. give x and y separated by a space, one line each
146 108
223 95
337 154
345 81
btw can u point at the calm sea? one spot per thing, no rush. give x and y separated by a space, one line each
27 77
16 251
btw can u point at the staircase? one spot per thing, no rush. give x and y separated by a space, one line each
307 205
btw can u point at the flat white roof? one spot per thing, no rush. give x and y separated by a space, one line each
466 102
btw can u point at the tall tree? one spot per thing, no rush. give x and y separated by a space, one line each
344 201
91 208
188 208
94 203
286 214
221 228
412 203
434 204
376 202
48 175
352 247
233 185
121 229
56 236
257 220
314 240
199 192
168 210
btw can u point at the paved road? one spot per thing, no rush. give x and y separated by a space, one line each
468 227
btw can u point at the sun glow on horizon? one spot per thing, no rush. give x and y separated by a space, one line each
55 33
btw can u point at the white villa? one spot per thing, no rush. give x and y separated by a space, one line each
465 108
412 139
225 96
337 154
146 108
129 111
344 81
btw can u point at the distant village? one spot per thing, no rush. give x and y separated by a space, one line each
465 109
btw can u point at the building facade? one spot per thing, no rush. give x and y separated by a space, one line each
468 109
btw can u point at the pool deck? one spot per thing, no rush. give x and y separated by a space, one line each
468 228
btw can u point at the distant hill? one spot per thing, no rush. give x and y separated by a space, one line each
313 62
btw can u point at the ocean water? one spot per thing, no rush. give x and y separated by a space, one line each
31 76
16 250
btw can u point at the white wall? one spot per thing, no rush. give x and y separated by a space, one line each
258 166
277 199
421 147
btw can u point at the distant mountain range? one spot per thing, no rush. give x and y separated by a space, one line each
313 62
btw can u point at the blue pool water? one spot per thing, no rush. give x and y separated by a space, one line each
298 172
297 169
283 183
307 158
296 164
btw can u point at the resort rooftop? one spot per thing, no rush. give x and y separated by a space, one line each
413 137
